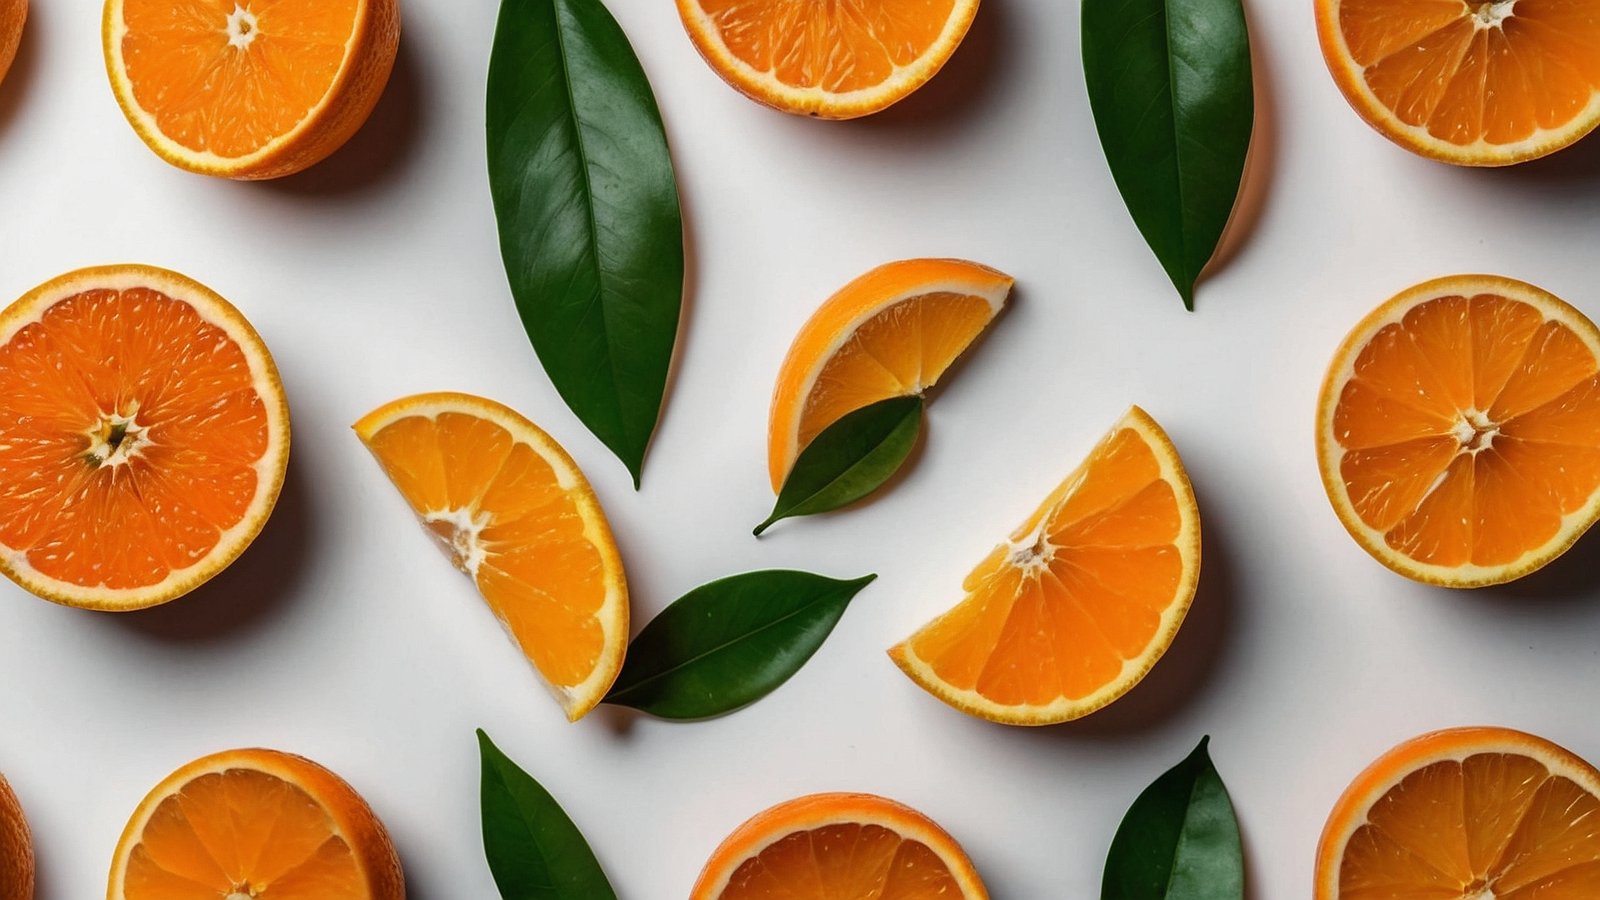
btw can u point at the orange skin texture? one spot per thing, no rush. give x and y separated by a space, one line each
13 15
16 848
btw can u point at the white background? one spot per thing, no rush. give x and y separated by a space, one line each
341 635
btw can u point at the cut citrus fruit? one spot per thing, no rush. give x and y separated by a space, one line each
143 439
832 846
13 15
836 60
890 333
1084 598
16 848
1470 82
248 89
513 511
1458 430
255 824
1466 814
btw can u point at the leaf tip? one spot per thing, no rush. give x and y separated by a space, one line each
760 529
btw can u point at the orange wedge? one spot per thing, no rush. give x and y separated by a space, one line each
1470 82
1072 612
16 848
835 60
143 437
254 824
248 89
1467 814
512 510
13 15
890 333
1458 430
835 846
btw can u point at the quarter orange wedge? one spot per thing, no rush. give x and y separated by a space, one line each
248 89
247 824
16 848
835 60
514 513
890 333
1077 606
13 15
143 437
837 846
1458 430
1466 814
1470 82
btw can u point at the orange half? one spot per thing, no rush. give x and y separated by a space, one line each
16 848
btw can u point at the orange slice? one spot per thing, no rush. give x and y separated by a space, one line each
1470 82
835 60
832 846
1458 430
890 333
16 848
254 824
1466 814
1074 610
248 89
13 15
513 511
143 437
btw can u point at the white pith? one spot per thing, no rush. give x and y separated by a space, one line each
242 27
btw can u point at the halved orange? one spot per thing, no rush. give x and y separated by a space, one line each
245 824
1470 82
248 89
835 60
1466 814
143 437
1073 611
514 513
834 846
13 15
890 333
1458 430
16 848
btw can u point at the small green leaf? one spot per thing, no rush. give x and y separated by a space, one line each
534 850
1179 841
729 643
1170 85
850 459
590 228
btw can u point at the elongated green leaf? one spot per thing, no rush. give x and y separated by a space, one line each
534 850
850 459
729 643
590 227
1169 82
1179 841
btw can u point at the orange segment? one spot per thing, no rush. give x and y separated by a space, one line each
1458 433
1472 82
1078 605
1466 814
255 823
13 15
16 848
890 333
514 513
830 846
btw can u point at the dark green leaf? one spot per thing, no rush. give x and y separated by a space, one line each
850 459
534 850
729 643
1169 82
1179 841
590 228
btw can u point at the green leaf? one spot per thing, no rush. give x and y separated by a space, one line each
850 459
1179 841
729 643
590 228
534 850
1169 83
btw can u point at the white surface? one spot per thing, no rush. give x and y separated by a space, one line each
344 637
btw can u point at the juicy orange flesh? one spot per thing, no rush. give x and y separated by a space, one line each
538 571
1471 427
241 831
227 77
1079 590
835 45
900 351
846 860
1480 70
1494 824
181 473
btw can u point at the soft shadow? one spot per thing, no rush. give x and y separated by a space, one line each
619 720
1577 166
1571 578
967 80
18 84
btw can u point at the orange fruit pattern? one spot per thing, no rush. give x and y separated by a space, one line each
16 848
13 15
